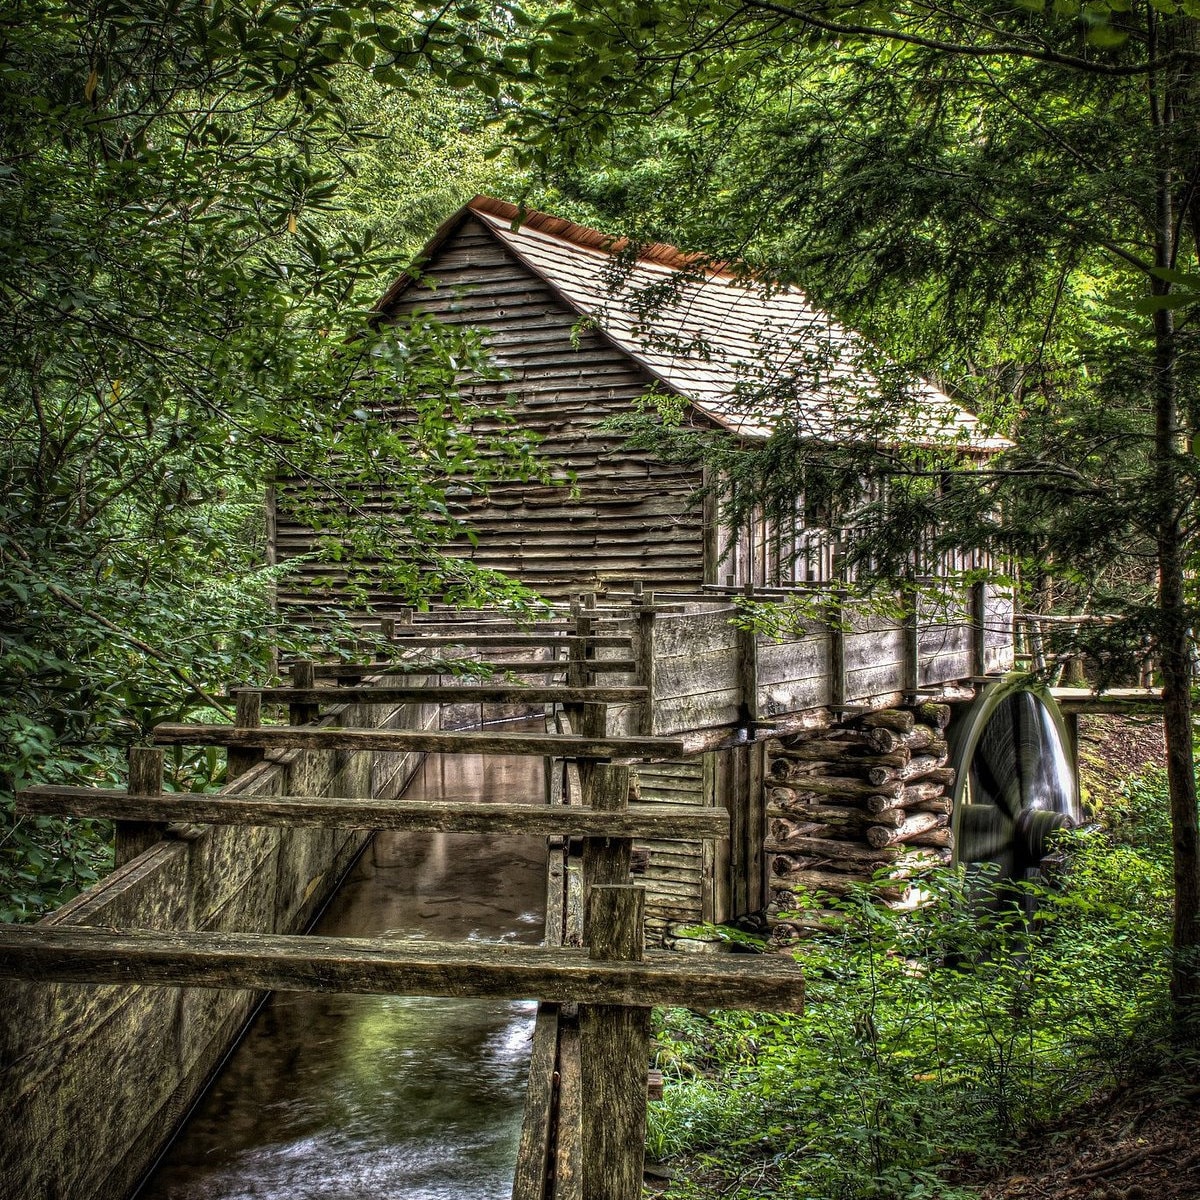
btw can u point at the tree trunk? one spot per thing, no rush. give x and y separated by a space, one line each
1174 631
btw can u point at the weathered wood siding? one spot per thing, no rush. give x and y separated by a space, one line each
94 1080
696 680
944 639
794 674
999 648
626 515
681 878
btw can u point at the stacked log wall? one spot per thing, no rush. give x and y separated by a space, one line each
868 798
95 1080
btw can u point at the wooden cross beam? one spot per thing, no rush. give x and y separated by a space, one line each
416 636
604 666
392 966
297 737
441 693
215 808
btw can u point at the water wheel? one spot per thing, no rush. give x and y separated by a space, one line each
1015 788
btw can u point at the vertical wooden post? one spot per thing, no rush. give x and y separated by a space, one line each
615 1052
303 675
606 860
248 716
145 779
643 646
387 631
910 634
594 718
979 628
835 611
1071 721
711 525
747 667
575 647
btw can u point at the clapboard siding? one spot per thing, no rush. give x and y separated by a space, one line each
624 515
679 877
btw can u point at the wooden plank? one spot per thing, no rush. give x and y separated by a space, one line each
295 737
642 820
568 1141
391 966
440 693
443 666
790 661
615 1053
413 636
1115 701
533 1148
697 674
686 634
679 714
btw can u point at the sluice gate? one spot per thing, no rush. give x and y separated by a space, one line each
662 715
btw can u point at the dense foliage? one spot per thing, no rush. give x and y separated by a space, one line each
931 1039
186 273
1005 195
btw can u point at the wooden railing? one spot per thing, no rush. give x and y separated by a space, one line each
603 989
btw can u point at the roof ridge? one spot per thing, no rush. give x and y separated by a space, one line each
592 239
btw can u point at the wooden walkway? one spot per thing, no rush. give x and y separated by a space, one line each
584 1128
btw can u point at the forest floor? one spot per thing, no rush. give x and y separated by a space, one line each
1141 1141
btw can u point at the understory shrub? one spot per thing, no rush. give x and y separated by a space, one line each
930 1037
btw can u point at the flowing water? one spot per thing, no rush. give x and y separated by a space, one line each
334 1097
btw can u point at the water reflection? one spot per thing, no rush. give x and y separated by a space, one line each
348 1097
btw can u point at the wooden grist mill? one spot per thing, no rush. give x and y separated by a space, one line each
695 772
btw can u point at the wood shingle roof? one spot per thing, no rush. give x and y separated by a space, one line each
747 356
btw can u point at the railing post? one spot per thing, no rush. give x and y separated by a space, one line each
303 675
644 620
615 1051
835 619
248 716
145 779
979 628
911 636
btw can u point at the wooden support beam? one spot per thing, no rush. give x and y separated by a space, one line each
292 737
606 859
568 1148
978 611
615 1053
910 629
747 669
392 966
1113 702
440 693
545 666
835 617
644 620
533 1149
215 808
416 637
133 835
